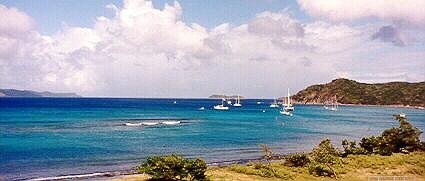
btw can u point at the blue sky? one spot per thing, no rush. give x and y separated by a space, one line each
50 15
255 48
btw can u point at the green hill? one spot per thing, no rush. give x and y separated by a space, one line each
351 92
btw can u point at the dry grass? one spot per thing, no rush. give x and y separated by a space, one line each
354 168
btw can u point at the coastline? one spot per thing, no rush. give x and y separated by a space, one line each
117 174
367 105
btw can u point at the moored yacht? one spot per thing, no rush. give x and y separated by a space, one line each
274 104
221 106
287 110
237 102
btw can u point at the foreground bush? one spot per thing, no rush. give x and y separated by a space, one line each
404 139
297 160
173 167
322 159
351 148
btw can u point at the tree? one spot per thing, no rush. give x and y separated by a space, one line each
173 167
402 139
267 155
322 158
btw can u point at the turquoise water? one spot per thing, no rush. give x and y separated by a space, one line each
42 137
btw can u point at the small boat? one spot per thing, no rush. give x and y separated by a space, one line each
264 110
274 104
201 108
229 102
175 102
289 106
402 115
238 102
221 106
286 113
287 110
334 106
258 102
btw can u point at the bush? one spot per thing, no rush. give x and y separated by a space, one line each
173 167
319 169
322 158
394 140
351 148
297 160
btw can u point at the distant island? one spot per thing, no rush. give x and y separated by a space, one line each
347 91
29 93
217 96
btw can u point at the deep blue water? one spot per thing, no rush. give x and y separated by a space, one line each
42 137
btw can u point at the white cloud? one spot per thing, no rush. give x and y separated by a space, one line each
411 11
143 51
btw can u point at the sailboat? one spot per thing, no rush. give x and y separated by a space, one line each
325 105
229 102
238 102
334 106
274 104
289 106
287 110
221 106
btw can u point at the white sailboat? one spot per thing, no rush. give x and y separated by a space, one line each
221 106
238 102
229 102
287 110
274 104
334 106
289 106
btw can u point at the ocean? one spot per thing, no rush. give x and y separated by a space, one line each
45 137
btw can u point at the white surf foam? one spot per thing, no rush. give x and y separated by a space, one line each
150 123
70 176
170 122
133 124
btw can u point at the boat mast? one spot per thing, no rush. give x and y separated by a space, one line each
289 99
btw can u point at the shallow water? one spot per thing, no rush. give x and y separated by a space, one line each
41 137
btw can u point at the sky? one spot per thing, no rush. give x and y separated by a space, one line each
190 48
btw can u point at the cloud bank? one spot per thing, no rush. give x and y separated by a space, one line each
411 11
146 52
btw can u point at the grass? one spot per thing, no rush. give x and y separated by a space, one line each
354 168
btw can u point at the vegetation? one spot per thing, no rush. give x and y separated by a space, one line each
404 139
397 151
352 168
297 160
351 92
323 158
173 167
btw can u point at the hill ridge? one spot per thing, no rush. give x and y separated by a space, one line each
348 91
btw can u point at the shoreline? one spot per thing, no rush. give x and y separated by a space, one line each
106 175
367 105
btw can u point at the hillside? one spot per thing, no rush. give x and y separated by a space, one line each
29 93
351 92
216 96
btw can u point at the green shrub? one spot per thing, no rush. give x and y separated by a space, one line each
322 158
173 167
196 169
351 148
404 138
319 169
297 160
